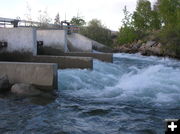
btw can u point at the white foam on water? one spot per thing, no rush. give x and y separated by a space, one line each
158 83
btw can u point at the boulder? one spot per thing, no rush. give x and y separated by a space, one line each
150 43
124 49
142 49
4 83
22 89
153 50
156 51
136 46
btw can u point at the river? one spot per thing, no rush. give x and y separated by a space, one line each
132 95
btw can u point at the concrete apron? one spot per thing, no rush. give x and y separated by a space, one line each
65 62
42 75
62 61
106 57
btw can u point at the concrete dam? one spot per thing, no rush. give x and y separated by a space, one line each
33 52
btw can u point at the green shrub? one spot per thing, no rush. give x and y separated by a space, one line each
126 35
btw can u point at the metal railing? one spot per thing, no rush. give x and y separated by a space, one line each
7 22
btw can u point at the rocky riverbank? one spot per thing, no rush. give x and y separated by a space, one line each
146 48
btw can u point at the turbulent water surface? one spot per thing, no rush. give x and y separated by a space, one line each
131 96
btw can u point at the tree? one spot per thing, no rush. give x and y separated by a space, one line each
95 23
127 20
28 14
77 21
142 15
44 18
155 21
127 33
169 10
57 19
96 31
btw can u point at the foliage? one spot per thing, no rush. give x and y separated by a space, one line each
127 33
155 20
142 15
77 21
169 11
127 20
96 31
162 21
145 18
44 18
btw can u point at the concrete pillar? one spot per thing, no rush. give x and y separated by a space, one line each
53 40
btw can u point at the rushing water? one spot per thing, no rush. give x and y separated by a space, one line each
131 96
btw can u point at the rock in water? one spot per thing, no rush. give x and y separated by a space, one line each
4 84
22 89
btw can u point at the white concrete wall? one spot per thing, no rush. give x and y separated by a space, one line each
58 39
52 38
80 43
19 39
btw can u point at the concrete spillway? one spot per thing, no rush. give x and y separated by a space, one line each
58 41
79 43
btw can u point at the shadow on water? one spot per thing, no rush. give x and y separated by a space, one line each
42 100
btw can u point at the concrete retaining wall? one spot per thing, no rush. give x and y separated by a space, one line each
22 40
42 75
52 39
